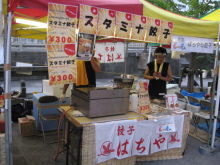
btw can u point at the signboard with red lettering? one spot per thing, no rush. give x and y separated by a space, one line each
88 19
192 44
142 138
114 139
106 22
172 102
175 138
110 52
61 63
123 24
153 30
62 23
139 25
158 142
166 33
143 99
121 139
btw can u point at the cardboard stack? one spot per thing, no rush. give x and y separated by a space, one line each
26 126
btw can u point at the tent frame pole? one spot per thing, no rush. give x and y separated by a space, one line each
218 93
7 86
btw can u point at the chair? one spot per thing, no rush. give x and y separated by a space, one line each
204 112
193 105
45 116
182 100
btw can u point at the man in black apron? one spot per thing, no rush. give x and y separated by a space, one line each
158 72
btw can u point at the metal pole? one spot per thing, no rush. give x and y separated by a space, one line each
126 54
216 110
218 92
149 54
7 85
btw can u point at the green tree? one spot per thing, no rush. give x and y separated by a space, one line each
195 8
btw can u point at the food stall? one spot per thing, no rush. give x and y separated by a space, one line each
88 133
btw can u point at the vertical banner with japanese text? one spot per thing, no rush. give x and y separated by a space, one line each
153 30
123 25
106 22
105 146
61 63
175 138
61 39
139 24
142 138
166 32
62 24
88 21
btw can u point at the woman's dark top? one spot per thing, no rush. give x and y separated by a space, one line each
157 88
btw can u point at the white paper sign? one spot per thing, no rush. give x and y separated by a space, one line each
114 139
105 148
192 44
175 138
141 142
158 142
110 52
122 139
165 124
125 131
172 102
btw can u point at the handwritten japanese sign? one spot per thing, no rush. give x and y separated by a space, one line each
121 139
192 44
175 138
105 146
117 140
158 142
123 25
142 138
106 22
110 52
166 32
139 25
172 102
61 64
153 30
62 23
143 99
88 19
165 124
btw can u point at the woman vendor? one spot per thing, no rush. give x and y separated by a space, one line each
158 72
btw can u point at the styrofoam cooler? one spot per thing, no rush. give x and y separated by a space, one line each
47 108
56 90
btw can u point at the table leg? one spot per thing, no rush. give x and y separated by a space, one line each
67 143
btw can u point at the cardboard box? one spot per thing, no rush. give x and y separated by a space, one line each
26 126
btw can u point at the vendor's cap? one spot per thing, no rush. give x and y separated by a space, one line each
160 50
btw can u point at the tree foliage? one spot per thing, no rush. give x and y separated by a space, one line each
194 8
